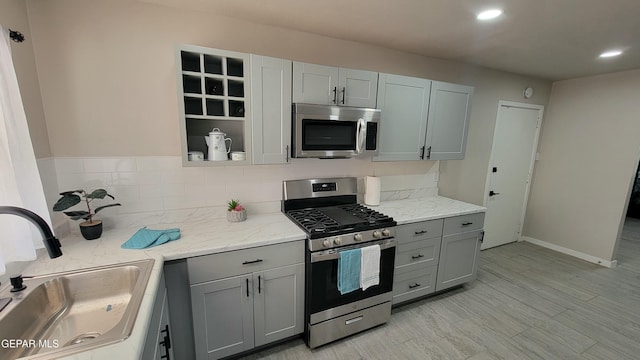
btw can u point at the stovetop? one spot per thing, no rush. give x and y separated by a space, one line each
341 219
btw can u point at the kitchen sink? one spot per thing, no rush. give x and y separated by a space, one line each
66 313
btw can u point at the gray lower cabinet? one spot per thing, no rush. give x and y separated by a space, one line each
259 300
416 261
436 255
222 317
158 342
461 240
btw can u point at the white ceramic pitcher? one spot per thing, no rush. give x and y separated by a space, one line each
216 142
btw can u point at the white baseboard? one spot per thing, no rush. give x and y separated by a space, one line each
570 252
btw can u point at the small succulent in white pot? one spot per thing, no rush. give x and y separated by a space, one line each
90 228
235 211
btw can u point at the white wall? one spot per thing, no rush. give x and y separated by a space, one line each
157 189
589 149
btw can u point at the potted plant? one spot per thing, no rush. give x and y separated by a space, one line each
90 228
235 211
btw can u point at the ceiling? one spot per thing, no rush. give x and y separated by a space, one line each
551 39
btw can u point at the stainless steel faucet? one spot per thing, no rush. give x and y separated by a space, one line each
50 241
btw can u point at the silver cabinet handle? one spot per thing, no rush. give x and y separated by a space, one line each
335 95
417 256
420 232
429 152
414 286
344 90
287 155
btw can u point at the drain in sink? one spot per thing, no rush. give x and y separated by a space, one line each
82 338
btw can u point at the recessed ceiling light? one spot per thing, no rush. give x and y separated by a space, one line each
611 53
489 14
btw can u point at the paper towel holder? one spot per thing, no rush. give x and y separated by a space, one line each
372 189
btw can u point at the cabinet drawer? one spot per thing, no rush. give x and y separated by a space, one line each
414 284
420 230
232 263
422 251
463 223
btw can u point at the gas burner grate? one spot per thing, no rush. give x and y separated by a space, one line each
313 220
365 213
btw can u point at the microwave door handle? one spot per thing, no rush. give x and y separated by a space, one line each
361 135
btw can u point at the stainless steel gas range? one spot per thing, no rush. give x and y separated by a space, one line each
327 210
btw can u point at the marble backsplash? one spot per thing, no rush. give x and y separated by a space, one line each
159 190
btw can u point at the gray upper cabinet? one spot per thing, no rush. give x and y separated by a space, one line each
214 90
448 122
422 119
404 102
328 85
271 109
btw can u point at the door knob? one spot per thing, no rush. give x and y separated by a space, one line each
492 193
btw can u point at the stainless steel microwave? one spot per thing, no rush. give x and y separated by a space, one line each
324 131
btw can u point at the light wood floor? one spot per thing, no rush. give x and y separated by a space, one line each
528 303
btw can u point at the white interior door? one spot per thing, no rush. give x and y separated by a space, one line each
512 158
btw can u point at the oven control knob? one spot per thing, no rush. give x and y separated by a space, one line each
376 234
337 241
326 243
357 237
386 232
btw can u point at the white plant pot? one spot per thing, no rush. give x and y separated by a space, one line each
236 216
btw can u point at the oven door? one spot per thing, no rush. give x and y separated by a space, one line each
324 300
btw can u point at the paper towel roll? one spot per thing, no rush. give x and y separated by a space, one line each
372 191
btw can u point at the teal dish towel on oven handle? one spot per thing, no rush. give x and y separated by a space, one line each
146 238
349 270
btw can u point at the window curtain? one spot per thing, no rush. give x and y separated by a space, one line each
20 183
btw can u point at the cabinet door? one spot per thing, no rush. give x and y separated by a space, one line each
404 102
458 259
164 349
222 317
271 113
448 123
315 84
278 303
152 349
357 88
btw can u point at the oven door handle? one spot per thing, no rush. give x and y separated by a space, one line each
325 256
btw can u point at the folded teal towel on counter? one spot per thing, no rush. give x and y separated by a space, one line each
146 238
349 270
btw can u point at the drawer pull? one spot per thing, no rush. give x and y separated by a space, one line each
247 279
417 256
414 286
355 319
252 262
421 232
467 224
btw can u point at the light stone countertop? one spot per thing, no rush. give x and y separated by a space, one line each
201 238
429 208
